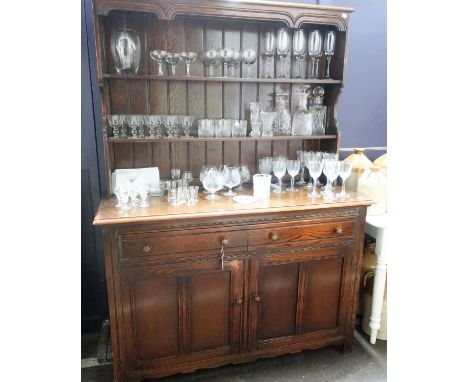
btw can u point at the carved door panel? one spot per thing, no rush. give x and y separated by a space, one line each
298 296
181 312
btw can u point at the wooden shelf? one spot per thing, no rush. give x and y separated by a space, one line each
221 79
223 139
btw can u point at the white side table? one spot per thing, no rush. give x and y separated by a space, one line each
375 226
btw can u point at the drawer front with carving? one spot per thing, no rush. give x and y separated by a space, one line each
294 234
161 243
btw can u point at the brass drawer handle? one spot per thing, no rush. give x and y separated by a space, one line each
273 236
146 248
339 231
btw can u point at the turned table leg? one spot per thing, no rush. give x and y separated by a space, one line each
379 284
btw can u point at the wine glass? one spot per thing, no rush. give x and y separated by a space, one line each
315 168
329 48
231 178
159 56
187 177
175 173
226 55
211 58
173 59
236 60
330 169
279 169
213 181
344 171
315 51
249 56
121 192
132 122
245 175
270 47
299 49
282 48
301 158
188 57
265 165
115 121
293 166
187 123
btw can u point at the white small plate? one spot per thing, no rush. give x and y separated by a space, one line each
244 199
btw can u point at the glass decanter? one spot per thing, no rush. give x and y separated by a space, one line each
302 119
283 121
319 111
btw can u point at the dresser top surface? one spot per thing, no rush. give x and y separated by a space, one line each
160 209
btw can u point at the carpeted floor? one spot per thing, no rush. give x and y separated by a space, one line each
367 363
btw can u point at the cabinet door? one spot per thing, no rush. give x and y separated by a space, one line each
174 313
297 297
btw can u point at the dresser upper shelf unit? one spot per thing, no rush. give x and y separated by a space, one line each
222 79
222 139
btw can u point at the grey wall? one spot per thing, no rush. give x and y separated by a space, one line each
362 117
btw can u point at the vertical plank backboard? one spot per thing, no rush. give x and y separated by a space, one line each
158 92
231 94
196 92
177 90
214 92
118 91
249 93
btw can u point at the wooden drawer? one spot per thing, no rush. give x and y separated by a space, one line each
289 235
160 243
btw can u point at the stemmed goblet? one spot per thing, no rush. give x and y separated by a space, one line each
187 124
315 168
249 56
236 60
175 173
293 166
159 56
315 51
132 122
282 48
115 120
188 57
245 176
122 197
299 49
329 47
173 59
187 177
151 122
270 49
279 169
344 171
301 157
211 58
226 55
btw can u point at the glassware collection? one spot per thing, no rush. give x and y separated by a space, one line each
126 54
317 163
222 128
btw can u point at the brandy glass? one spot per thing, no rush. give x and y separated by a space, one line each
231 178
173 59
245 176
213 182
188 57
315 51
159 56
299 49
329 48
249 56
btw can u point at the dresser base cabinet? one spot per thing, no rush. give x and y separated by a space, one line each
283 283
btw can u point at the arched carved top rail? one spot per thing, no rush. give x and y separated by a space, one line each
292 14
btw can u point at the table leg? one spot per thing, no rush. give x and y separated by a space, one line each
379 285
